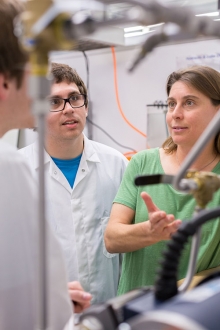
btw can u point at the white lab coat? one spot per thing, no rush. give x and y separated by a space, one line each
18 250
80 215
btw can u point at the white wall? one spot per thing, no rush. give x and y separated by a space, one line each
144 86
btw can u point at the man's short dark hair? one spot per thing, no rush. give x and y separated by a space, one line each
64 73
12 57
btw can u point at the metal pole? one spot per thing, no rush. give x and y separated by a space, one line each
40 87
193 256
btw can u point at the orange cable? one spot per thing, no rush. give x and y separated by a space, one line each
128 155
117 96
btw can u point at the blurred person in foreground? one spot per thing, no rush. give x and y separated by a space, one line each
18 204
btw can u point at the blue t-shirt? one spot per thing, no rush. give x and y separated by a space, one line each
68 167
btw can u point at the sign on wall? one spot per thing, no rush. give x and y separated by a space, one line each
212 60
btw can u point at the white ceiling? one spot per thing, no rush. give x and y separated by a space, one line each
114 35
199 6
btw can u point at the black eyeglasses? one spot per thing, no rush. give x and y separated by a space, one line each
58 104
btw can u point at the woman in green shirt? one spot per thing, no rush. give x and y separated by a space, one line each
143 218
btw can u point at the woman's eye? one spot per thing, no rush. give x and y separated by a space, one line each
189 102
171 105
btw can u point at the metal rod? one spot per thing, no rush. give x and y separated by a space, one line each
193 257
43 299
39 90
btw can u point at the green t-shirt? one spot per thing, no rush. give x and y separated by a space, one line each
139 267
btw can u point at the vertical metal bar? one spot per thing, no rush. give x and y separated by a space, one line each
40 89
193 257
43 287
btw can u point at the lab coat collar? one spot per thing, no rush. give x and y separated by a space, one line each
89 152
47 158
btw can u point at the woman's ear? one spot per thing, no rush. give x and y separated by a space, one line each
4 87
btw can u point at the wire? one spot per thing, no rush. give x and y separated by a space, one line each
87 71
91 122
117 95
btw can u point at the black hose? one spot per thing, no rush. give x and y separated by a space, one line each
166 283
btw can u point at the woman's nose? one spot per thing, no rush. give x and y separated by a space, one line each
177 112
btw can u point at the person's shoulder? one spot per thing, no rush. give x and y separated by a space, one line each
8 152
11 158
103 149
6 148
27 149
152 152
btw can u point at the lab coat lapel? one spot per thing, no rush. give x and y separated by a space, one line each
89 156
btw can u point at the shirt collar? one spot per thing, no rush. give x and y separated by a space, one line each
88 151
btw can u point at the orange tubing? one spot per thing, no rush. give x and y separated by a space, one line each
117 96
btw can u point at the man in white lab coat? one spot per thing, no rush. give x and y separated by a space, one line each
18 204
82 177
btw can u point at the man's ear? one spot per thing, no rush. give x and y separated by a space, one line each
4 87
